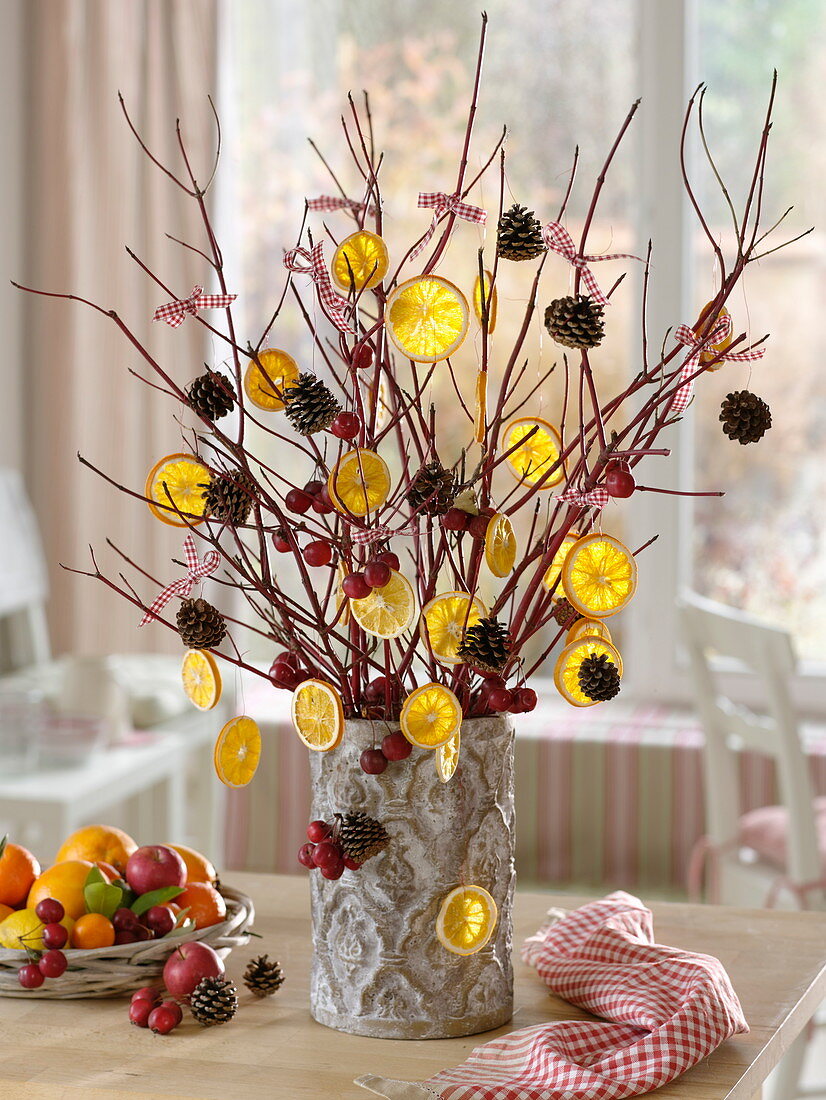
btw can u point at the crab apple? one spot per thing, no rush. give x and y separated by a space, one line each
619 481
139 1012
30 976
322 503
455 519
318 553
141 933
395 746
326 852
373 761
377 573
478 526
318 830
491 682
55 935
305 855
160 919
376 690
500 699
147 993
346 425
50 911
298 501
333 870
390 558
161 1021
351 864
363 357
174 1008
525 699
52 964
126 935
355 586
313 487
281 542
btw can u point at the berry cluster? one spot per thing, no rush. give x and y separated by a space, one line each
155 923
375 574
394 746
286 671
147 1009
50 963
325 852
500 698
458 520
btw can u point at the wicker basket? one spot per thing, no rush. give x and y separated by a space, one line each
109 971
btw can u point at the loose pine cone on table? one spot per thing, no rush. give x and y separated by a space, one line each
310 405
200 625
361 837
519 235
486 645
213 1001
575 321
745 416
211 395
432 489
229 498
599 677
262 977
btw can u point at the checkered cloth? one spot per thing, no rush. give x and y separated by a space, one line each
442 204
558 239
699 344
590 498
664 1010
334 305
175 313
333 202
196 571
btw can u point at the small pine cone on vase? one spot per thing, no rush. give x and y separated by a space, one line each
575 321
564 612
262 977
361 837
310 405
200 625
229 498
432 489
745 416
213 1001
486 645
519 235
599 677
211 395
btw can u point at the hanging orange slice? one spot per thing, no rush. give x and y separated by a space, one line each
533 454
447 758
500 545
201 678
712 350
341 573
264 385
588 628
237 751
566 670
599 576
426 318
491 300
177 481
360 261
480 414
387 611
554 570
430 716
444 621
467 919
318 715
359 482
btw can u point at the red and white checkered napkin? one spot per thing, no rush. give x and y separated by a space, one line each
668 1009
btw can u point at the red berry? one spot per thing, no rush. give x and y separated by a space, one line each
322 504
55 935
389 557
175 1009
478 526
500 699
395 746
333 870
50 911
124 918
287 657
619 481
492 682
281 542
139 1012
373 761
147 993
284 673
363 357
160 919
52 964
346 425
355 586
526 699
318 553
305 855
377 573
142 933
351 864
376 689
455 519
298 501
314 487
125 936
325 853
161 1020
30 976
317 831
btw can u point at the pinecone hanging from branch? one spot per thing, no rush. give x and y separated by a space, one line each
361 837
599 677
575 321
310 405
229 498
200 625
486 645
564 612
519 235
213 1001
745 416
432 489
262 977
211 395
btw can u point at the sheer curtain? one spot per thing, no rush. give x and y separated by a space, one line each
90 190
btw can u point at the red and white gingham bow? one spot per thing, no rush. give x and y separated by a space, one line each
175 312
590 498
196 571
315 267
687 336
366 536
332 202
559 240
446 204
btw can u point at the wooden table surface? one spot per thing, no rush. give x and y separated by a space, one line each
73 1049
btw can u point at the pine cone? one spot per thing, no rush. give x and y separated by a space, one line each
564 612
213 1001
745 416
262 977
200 625
211 395
599 677
432 489
229 498
361 837
575 322
486 645
311 406
519 235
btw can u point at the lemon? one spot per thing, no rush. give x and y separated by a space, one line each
444 621
177 481
237 751
467 919
599 575
531 460
264 384
318 715
23 930
430 716
360 261
426 318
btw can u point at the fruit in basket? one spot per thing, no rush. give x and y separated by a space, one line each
93 931
64 882
187 965
50 911
153 867
52 964
55 936
206 906
198 867
18 870
23 930
159 919
98 844
124 920
5 911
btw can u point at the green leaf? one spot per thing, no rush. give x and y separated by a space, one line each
181 930
93 894
103 897
155 897
95 875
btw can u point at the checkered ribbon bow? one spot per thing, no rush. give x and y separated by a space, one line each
364 536
699 344
559 240
334 304
446 204
333 202
585 498
196 571
174 313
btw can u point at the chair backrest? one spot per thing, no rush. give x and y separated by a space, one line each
712 630
23 578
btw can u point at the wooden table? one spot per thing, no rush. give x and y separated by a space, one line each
53 1049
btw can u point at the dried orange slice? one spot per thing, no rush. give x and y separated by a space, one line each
531 461
264 385
201 678
237 751
177 481
491 300
599 576
361 261
467 919
444 621
430 716
480 414
554 570
712 350
588 628
566 670
318 715
382 408
447 758
359 482
426 318
387 611
341 573
500 545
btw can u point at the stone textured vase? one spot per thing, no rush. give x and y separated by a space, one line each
378 966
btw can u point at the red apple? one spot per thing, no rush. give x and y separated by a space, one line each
187 965
153 867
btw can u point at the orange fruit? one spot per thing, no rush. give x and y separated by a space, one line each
4 912
18 870
206 906
64 882
198 867
93 930
99 844
177 481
